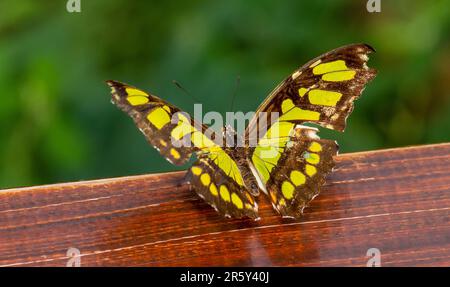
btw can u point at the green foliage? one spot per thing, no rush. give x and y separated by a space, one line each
57 123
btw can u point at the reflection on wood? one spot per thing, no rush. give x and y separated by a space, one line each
397 201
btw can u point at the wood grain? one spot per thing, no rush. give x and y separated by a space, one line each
396 200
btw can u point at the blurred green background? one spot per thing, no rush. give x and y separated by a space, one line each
57 123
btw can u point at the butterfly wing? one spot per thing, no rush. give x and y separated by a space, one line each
321 92
155 119
217 179
215 176
300 171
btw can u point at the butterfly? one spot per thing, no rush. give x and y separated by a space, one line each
277 154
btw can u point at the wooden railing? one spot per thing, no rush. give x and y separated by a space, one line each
388 207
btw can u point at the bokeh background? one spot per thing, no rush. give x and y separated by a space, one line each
57 123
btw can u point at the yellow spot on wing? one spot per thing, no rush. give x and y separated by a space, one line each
310 170
158 117
183 118
265 158
302 91
224 193
175 153
315 147
268 154
205 179
137 100
286 105
324 98
339 76
237 201
261 168
273 196
249 197
181 130
162 142
223 161
201 141
297 178
297 114
338 65
313 158
287 189
213 189
165 107
196 170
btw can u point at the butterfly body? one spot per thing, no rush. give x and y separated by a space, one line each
277 154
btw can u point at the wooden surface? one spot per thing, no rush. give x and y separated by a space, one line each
395 200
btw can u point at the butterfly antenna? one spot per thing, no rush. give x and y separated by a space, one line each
238 81
178 85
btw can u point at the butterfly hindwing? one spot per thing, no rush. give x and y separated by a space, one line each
301 171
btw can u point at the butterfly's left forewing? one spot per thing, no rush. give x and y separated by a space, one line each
215 176
155 119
